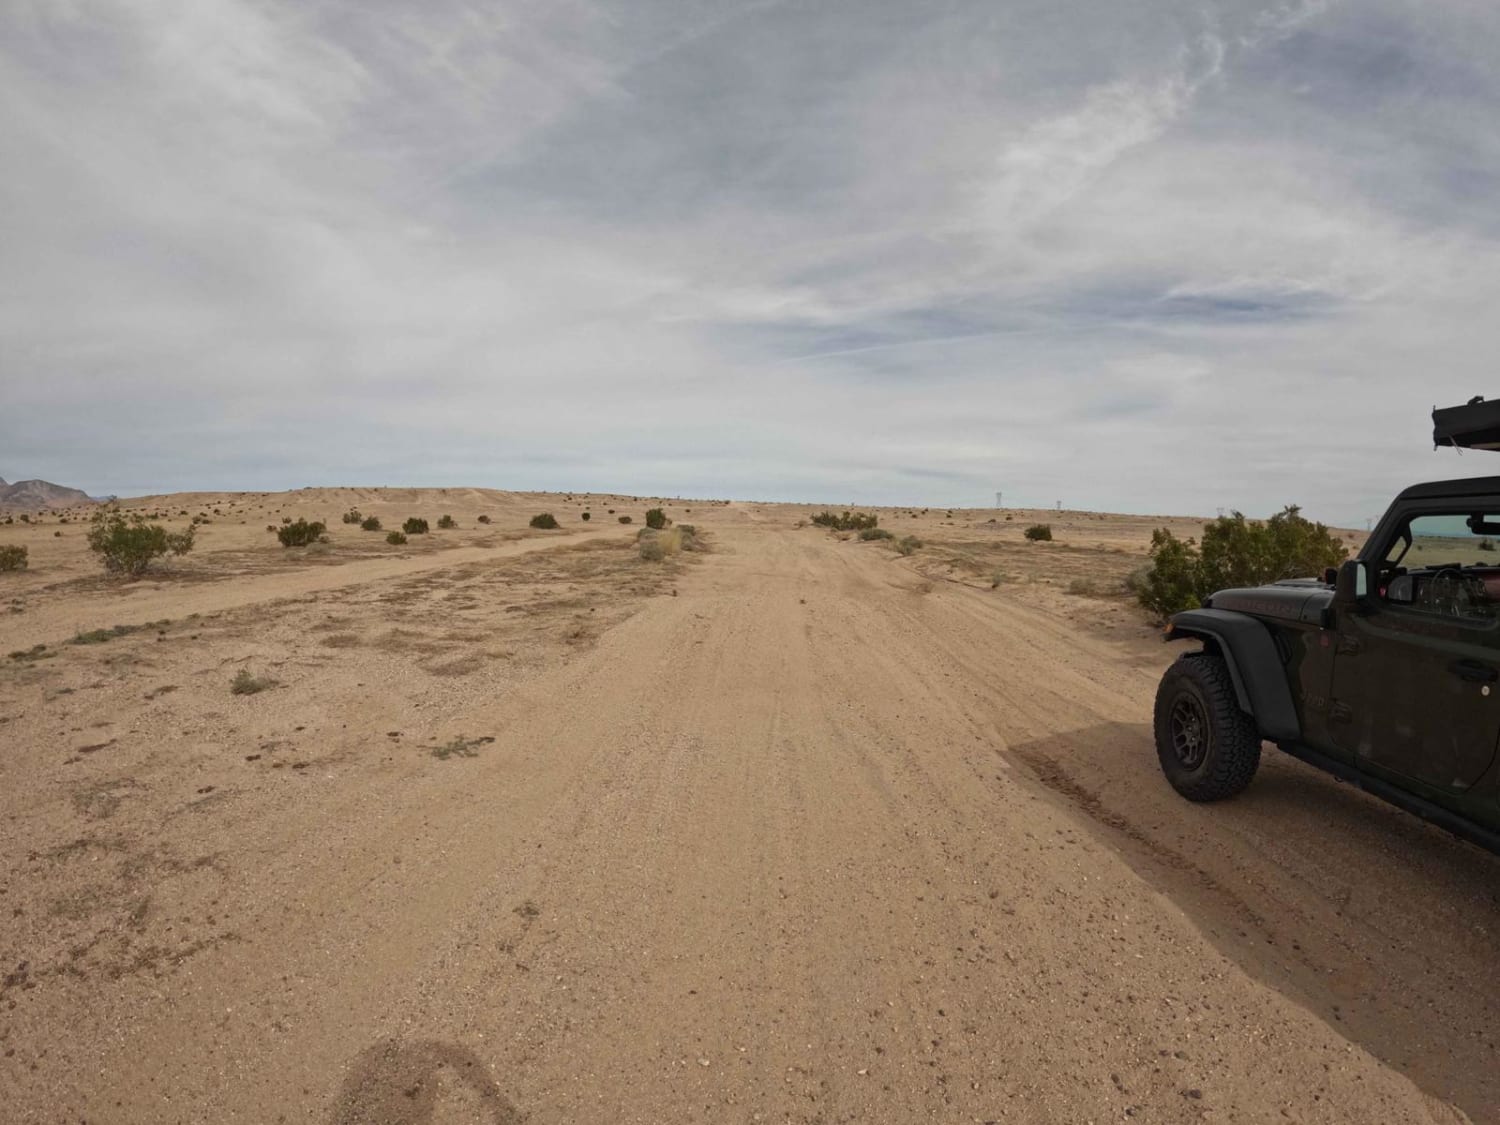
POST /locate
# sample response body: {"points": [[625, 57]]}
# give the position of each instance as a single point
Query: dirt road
{"points": [[811, 839]]}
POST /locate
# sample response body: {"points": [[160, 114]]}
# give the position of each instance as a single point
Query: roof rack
{"points": [[1474, 425]]}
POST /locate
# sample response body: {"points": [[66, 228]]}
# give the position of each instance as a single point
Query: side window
{"points": [[1446, 564]]}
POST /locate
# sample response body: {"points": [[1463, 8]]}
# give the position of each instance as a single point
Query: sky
{"points": [[1145, 255]]}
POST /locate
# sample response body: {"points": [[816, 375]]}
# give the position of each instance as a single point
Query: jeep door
{"points": [[1416, 676]]}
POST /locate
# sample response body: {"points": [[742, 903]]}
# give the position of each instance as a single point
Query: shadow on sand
{"points": [[1384, 927], [400, 1083]]}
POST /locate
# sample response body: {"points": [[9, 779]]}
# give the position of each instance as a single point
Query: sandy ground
{"points": [[527, 828]]}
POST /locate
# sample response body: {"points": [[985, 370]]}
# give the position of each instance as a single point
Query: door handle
{"points": [[1474, 671]]}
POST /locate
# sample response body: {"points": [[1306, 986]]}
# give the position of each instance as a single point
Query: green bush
{"points": [[871, 533], [128, 545], [656, 518], [396, 538], [546, 521], [13, 558], [849, 521], [908, 544], [585, 517], [353, 516], [1039, 533], [447, 523], [301, 533], [370, 523], [415, 526], [1234, 552]]}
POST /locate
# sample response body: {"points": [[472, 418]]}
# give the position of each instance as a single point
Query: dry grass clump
{"points": [[13, 558], [99, 636], [654, 545], [246, 682]]}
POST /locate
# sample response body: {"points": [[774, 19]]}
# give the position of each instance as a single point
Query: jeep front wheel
{"points": [[1209, 748]]}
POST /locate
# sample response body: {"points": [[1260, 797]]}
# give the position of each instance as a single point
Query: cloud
{"points": [[1168, 256]]}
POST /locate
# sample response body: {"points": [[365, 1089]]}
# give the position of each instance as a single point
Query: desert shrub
{"points": [[396, 538], [447, 523], [999, 578], [1082, 587], [652, 550], [370, 523], [301, 533], [284, 519], [353, 515], [27, 519], [656, 518], [415, 526], [848, 521], [99, 636], [484, 519], [1485, 545], [871, 533], [1234, 552], [908, 545], [128, 545], [13, 558], [1039, 533], [246, 682], [625, 519], [585, 517], [546, 521]]}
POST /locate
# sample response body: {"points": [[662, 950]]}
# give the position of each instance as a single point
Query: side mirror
{"points": [[1352, 586]]}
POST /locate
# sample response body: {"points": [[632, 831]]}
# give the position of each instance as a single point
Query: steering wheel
{"points": [[1449, 593]]}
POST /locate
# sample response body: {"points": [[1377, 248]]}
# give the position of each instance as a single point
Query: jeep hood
{"points": [[1299, 599]]}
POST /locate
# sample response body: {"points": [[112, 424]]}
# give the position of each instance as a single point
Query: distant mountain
{"points": [[33, 494]]}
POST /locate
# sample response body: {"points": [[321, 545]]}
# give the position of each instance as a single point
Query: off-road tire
{"points": [[1209, 748]]}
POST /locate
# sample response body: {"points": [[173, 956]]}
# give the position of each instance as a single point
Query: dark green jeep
{"points": [[1385, 673]]}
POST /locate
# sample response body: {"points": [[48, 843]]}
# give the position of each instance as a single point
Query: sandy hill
{"points": [[32, 494]]}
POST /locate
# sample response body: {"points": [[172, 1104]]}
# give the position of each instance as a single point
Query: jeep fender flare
{"points": [[1254, 666]]}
